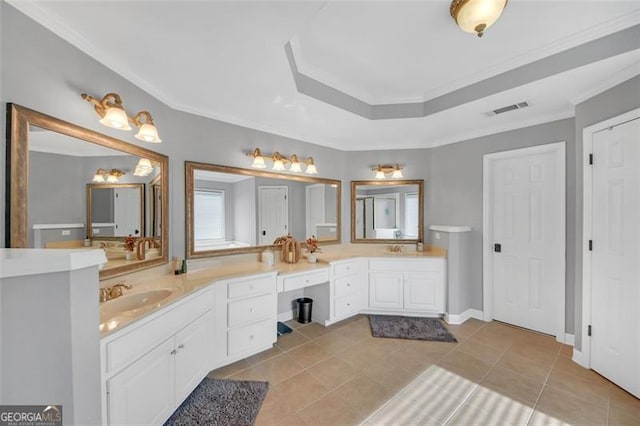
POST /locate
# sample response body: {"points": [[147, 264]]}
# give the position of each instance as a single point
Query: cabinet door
{"points": [[385, 290], [424, 291], [194, 350], [143, 393]]}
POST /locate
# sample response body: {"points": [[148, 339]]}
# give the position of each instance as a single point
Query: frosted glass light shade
{"points": [[258, 162], [380, 174], [475, 16], [97, 178], [112, 179], [295, 167], [397, 174], [311, 169], [148, 133], [115, 118], [278, 165]]}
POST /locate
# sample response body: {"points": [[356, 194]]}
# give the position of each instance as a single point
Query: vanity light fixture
{"points": [[112, 176], [112, 114], [475, 16], [143, 168], [280, 162], [383, 170]]}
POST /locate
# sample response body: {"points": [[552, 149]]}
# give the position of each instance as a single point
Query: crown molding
{"points": [[622, 76]]}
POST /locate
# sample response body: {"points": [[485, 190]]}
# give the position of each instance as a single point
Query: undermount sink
{"points": [[135, 301]]}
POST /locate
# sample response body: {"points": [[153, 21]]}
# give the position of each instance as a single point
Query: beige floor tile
{"points": [[441, 379], [512, 385], [474, 323], [391, 375], [247, 374], [480, 350], [357, 330], [623, 400], [521, 364], [332, 372], [300, 391], [461, 332], [586, 385], [363, 353], [330, 410], [559, 407], [293, 420], [465, 365], [264, 355], [539, 353], [313, 330], [499, 411], [272, 410], [363, 395], [334, 342], [621, 417], [278, 369], [309, 354], [292, 340], [294, 324], [410, 360], [401, 412], [230, 369], [493, 338], [566, 351]]}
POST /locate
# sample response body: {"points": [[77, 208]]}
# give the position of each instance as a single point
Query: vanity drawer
{"points": [[345, 286], [251, 286], [406, 265], [243, 340], [247, 311], [305, 280], [129, 346], [344, 269], [343, 306]]}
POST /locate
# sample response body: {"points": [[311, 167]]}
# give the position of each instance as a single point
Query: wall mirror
{"points": [[387, 211], [233, 210], [55, 202]]}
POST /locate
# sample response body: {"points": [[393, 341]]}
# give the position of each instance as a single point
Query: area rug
{"points": [[413, 328], [221, 402]]}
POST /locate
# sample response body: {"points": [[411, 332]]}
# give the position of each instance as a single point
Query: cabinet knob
{"points": [[173, 352], [348, 284], [348, 304], [251, 337], [180, 346], [306, 281]]}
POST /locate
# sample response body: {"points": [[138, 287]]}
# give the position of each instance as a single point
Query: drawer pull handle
{"points": [[180, 346], [251, 337], [173, 352]]}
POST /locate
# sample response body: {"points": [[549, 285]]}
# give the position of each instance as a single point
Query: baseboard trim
{"points": [[285, 316], [569, 339], [460, 318], [578, 358]]}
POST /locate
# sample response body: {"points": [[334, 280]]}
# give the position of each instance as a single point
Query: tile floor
{"points": [[494, 375]]}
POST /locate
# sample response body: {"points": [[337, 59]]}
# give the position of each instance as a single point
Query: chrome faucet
{"points": [[114, 291]]}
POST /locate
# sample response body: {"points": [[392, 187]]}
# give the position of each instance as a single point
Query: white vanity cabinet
{"points": [[152, 366], [347, 290], [252, 310], [407, 286]]}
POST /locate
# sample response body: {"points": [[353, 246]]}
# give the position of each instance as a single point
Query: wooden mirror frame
{"points": [[191, 166], [90, 186], [17, 191], [382, 183]]}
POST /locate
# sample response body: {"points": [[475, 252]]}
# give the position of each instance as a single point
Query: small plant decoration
{"points": [[312, 245], [130, 243]]}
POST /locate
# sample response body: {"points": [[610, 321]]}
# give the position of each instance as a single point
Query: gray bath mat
{"points": [[413, 328], [221, 402]]}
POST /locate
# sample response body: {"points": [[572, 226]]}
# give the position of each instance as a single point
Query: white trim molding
{"points": [[558, 148], [579, 358], [452, 229], [587, 220], [461, 318]]}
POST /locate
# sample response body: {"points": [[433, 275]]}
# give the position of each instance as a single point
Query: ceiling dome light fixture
{"points": [[475, 16]]}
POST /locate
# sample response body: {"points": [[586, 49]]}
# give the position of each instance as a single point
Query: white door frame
{"points": [[558, 148], [583, 357], [310, 228]]}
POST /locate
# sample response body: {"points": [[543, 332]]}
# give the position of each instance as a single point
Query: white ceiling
{"points": [[226, 60]]}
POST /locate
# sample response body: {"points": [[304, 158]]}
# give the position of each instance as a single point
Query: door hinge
{"points": [[591, 159], [588, 330], [590, 245]]}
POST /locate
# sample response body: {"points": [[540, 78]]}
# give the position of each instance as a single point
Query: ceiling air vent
{"points": [[508, 108]]}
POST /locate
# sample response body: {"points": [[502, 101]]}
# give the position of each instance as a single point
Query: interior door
{"points": [[528, 287], [126, 215], [273, 213], [315, 208], [359, 218], [615, 322]]}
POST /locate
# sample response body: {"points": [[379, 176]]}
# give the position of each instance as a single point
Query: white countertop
{"points": [[23, 262]]}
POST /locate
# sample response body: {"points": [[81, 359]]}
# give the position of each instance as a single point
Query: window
{"points": [[411, 215], [208, 218]]}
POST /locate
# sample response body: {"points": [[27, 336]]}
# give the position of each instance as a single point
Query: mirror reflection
{"points": [[241, 210], [389, 210], [86, 191]]}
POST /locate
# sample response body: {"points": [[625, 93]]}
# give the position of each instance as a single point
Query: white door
{"points": [[273, 213], [527, 239], [314, 208], [385, 290], [126, 215], [615, 322], [359, 218]]}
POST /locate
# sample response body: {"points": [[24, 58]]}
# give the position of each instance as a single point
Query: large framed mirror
{"points": [[387, 211], [232, 210], [54, 200]]}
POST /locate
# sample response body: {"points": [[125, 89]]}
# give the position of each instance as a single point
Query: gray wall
{"points": [[245, 211], [618, 100], [455, 197]]}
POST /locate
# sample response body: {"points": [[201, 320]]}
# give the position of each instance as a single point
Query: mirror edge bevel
{"points": [[17, 187], [419, 182], [191, 166]]}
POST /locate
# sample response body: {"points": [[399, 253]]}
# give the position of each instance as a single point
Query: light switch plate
{"points": [[66, 232]]}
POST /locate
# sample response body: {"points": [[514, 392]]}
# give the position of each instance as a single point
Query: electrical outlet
{"points": [[66, 232], [437, 235], [96, 231]]}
